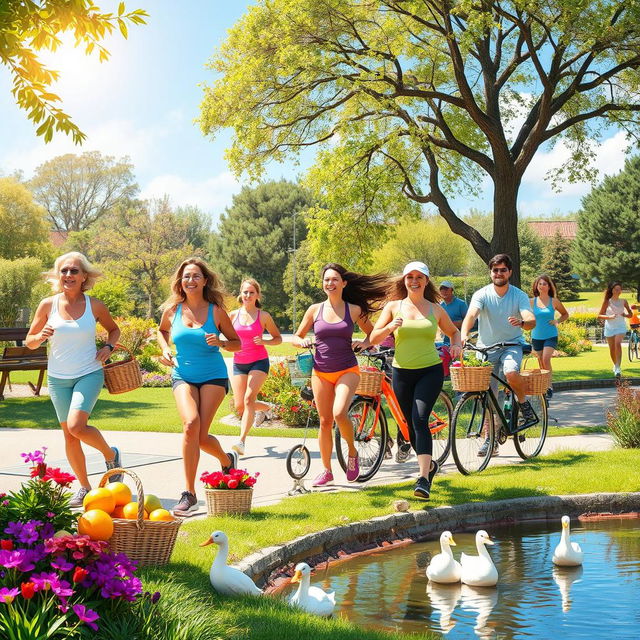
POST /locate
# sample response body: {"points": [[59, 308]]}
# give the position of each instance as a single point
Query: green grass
{"points": [[591, 365], [567, 472]]}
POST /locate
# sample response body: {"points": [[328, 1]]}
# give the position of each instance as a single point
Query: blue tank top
{"points": [[196, 361], [543, 329]]}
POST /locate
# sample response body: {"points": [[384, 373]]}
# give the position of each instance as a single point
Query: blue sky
{"points": [[143, 102]]}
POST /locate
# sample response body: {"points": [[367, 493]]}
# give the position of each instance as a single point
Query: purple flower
{"points": [[87, 616], [14, 528], [155, 597], [7, 595], [37, 457], [26, 533], [62, 564], [20, 559], [44, 581]]}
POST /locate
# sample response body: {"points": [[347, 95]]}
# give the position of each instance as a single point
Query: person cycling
{"points": [[502, 311]]}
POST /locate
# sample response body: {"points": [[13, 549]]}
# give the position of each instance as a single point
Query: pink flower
{"points": [[7, 595], [87, 616], [233, 484]]}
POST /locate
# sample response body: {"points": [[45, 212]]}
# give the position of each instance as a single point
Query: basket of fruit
{"points": [[470, 374], [143, 530]]}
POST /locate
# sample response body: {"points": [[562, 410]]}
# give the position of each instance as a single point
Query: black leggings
{"points": [[417, 391]]}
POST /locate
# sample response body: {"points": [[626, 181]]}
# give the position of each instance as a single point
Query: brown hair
{"points": [[256, 285], [213, 288], [398, 290], [501, 258], [549, 281], [609, 291], [367, 291]]}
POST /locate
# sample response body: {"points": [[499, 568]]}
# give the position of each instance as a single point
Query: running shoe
{"points": [[528, 416], [422, 489], [482, 451], [116, 463], [187, 505], [323, 478], [404, 452], [78, 497], [238, 447], [353, 468], [260, 417], [233, 456]]}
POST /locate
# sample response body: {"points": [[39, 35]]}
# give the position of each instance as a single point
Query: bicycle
{"points": [[633, 346], [473, 423], [370, 427]]}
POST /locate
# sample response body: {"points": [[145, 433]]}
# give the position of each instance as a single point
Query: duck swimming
{"points": [[567, 553], [479, 571], [444, 568]]}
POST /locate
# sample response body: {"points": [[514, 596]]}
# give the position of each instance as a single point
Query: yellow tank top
{"points": [[415, 342]]}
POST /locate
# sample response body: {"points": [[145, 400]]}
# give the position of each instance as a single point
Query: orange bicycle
{"points": [[371, 430]]}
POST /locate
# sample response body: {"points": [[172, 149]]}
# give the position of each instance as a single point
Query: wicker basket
{"points": [[370, 381], [145, 541], [300, 368], [124, 375], [221, 501], [470, 378], [537, 381]]}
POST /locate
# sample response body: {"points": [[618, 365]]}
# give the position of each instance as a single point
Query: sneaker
{"points": [[116, 463], [187, 505], [323, 478], [238, 447], [270, 413], [260, 417], [388, 454], [353, 468], [617, 372], [403, 452], [482, 451], [435, 467], [78, 497], [233, 456], [549, 393], [422, 489], [528, 416]]}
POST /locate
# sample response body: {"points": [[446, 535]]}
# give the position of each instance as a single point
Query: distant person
{"points": [[251, 363], [195, 320], [544, 336], [613, 311], [75, 371], [455, 307]]}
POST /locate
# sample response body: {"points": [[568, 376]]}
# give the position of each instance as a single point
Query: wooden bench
{"points": [[21, 358]]}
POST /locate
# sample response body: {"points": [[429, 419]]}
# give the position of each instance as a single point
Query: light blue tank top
{"points": [[196, 361], [543, 329]]}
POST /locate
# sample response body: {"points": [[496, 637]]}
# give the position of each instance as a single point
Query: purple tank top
{"points": [[333, 343]]}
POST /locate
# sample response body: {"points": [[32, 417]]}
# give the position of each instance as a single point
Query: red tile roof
{"points": [[58, 238], [547, 229]]}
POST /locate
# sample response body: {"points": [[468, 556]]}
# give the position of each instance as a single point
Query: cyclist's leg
{"points": [[495, 357], [511, 359], [324, 395], [403, 385], [344, 391]]}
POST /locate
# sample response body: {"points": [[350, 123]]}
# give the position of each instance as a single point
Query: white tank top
{"points": [[72, 347]]}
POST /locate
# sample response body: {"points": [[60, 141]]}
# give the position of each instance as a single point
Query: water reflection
{"points": [[444, 598], [564, 577], [480, 601]]}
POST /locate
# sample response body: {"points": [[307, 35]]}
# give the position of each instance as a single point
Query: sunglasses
{"points": [[195, 278], [68, 270], [500, 270]]}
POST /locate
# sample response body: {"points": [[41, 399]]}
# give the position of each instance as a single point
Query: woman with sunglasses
{"points": [[74, 373], [195, 320]]}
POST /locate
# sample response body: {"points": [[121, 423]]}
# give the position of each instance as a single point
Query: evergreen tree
{"points": [[557, 265], [608, 243]]}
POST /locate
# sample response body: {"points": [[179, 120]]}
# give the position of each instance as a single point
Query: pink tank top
{"points": [[250, 352]]}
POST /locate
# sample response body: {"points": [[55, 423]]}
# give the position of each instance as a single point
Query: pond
{"points": [[533, 599]]}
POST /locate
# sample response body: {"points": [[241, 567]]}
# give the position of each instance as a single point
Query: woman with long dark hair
{"points": [[613, 311], [544, 336], [414, 315], [351, 298], [195, 320]]}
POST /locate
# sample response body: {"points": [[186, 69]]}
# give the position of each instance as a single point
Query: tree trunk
{"points": [[505, 221]]}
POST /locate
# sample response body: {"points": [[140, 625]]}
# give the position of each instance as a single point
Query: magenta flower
{"points": [[7, 595], [88, 616], [44, 581], [37, 457], [62, 564]]}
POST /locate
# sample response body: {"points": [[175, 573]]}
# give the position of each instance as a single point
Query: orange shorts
{"points": [[334, 376]]}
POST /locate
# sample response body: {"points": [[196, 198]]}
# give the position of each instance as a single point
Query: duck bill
{"points": [[296, 577], [206, 543], [488, 541], [452, 542]]}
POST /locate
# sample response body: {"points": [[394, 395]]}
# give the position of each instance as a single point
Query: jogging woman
{"points": [[251, 363], [614, 310], [74, 372], [195, 320], [544, 336], [351, 298], [414, 315]]}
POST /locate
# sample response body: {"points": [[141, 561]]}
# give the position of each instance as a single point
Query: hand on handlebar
{"points": [[306, 343]]}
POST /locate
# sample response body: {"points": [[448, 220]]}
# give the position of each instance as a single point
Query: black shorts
{"points": [[218, 382], [257, 365]]}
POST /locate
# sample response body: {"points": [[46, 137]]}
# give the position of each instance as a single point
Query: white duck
{"points": [[567, 553], [479, 571], [444, 568], [311, 599], [227, 580]]}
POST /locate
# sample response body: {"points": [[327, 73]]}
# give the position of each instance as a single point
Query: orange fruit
{"points": [[120, 492], [118, 512], [130, 511], [99, 499], [96, 524], [159, 515]]}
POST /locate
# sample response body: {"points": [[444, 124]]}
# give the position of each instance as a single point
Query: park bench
{"points": [[21, 358]]}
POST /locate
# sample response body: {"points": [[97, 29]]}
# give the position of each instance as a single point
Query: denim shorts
{"points": [[539, 345], [68, 394], [505, 360], [244, 369], [218, 382]]}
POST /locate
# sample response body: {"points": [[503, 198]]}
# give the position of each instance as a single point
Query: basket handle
{"points": [[139, 490], [121, 347]]}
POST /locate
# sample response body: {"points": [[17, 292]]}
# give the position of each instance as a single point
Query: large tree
{"points": [[30, 26], [424, 99], [255, 235], [557, 264], [76, 190], [607, 246]]}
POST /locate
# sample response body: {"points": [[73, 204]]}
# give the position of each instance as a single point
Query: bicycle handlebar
{"points": [[488, 348]]}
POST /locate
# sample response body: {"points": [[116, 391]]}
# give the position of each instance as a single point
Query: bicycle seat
{"points": [[526, 349], [306, 393]]}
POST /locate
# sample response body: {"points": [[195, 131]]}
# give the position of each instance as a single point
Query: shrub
{"points": [[572, 339], [115, 293], [135, 333], [153, 379], [147, 358], [17, 278], [624, 420], [585, 319]]}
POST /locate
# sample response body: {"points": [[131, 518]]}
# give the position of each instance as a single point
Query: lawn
{"points": [[563, 473]]}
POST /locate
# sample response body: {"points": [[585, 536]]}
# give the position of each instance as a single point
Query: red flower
{"points": [[295, 409], [39, 470], [6, 545], [28, 590], [59, 477], [79, 574], [233, 484]]}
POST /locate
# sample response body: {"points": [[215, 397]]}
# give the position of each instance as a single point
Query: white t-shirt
{"points": [[493, 323]]}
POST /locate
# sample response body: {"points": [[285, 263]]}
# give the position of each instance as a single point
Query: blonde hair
{"points": [[53, 276], [256, 285], [213, 289]]}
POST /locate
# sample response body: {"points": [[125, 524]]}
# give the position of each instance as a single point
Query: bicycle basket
{"points": [[300, 368], [537, 381], [370, 381], [464, 378]]}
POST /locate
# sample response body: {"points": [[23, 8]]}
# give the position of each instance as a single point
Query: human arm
{"points": [[299, 339], [223, 322], [560, 308], [273, 330], [602, 315], [468, 322], [40, 331], [527, 319], [448, 327], [365, 324], [163, 336], [386, 324], [103, 316], [628, 313]]}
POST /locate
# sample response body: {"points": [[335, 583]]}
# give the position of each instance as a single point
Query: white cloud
{"points": [[212, 195]]}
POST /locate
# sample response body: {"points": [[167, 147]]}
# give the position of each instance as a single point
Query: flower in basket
{"points": [[235, 479]]}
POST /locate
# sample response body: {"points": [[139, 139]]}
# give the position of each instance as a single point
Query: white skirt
{"points": [[615, 327]]}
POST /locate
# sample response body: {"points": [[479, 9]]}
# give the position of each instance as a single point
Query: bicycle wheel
{"points": [[370, 436], [529, 442], [298, 462], [472, 426], [630, 347], [439, 424], [636, 345]]}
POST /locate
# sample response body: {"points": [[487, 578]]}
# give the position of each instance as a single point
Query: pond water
{"points": [[533, 599]]}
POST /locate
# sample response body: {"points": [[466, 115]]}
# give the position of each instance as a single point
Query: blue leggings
{"points": [[79, 393]]}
